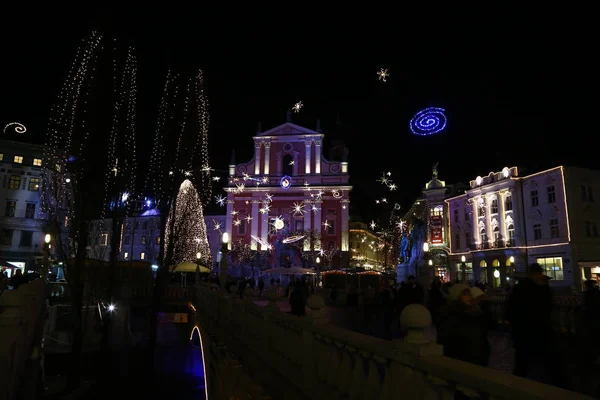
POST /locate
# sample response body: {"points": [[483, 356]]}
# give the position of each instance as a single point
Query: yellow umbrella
{"points": [[189, 266]]}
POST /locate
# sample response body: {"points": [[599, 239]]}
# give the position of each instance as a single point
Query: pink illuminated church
{"points": [[287, 189]]}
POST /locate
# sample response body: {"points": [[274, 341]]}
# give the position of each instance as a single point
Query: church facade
{"points": [[288, 200]]}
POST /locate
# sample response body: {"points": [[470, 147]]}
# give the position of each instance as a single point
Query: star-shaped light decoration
{"points": [[248, 219], [236, 222], [383, 74], [217, 225], [233, 212], [298, 209], [216, 178], [220, 200], [296, 108], [326, 224], [373, 225]]}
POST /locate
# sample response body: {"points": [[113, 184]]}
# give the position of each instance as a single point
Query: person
{"points": [[413, 292], [461, 330], [591, 305], [529, 312], [486, 319], [17, 279], [261, 286], [386, 299], [434, 301]]}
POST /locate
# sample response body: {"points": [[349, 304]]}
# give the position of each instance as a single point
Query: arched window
{"points": [[482, 264], [288, 165], [496, 234], [510, 231], [496, 263], [483, 235]]}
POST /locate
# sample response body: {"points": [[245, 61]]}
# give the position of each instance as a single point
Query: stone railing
{"points": [[566, 314], [307, 358], [22, 320], [60, 291]]}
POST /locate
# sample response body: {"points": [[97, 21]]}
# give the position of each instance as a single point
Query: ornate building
{"points": [[367, 249], [289, 189], [504, 222]]}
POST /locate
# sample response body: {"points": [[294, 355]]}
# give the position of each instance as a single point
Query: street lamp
{"points": [[45, 265], [463, 260], [223, 266], [425, 256], [512, 267], [198, 257]]}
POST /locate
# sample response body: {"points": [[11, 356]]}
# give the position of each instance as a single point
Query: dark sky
{"points": [[514, 92]]}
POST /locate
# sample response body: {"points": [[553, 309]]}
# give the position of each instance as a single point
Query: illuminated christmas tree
{"points": [[186, 228]]}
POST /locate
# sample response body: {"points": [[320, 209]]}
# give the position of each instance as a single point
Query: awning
{"points": [[188, 266], [289, 271]]}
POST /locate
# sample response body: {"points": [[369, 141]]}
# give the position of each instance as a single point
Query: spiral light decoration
{"points": [[19, 127], [429, 121]]}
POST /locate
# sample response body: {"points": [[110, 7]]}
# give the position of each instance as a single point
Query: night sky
{"points": [[514, 93]]}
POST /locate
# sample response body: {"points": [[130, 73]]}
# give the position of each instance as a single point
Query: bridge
{"points": [[254, 350]]}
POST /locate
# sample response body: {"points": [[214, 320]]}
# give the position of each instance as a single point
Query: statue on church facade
{"points": [[435, 171]]}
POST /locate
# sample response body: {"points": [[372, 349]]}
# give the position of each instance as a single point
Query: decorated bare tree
{"points": [[241, 255], [329, 252]]}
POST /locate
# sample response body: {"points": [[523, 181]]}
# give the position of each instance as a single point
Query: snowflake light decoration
{"points": [[383, 74], [297, 107], [298, 209], [220, 200]]}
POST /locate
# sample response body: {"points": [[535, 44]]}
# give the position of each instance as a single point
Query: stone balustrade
{"points": [[60, 291], [307, 358], [22, 321]]}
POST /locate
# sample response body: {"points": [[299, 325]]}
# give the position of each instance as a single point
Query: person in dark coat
{"points": [[412, 293], [434, 301], [460, 328], [529, 311]]}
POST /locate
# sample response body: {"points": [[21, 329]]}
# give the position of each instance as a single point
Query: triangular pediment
{"points": [[288, 129]]}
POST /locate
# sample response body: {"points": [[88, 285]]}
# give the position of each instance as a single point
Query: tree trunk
{"points": [[111, 288], [77, 283]]}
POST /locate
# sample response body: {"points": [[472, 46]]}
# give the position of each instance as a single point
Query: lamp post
{"points": [[223, 266], [463, 266], [425, 254], [45, 266], [512, 268], [197, 280]]}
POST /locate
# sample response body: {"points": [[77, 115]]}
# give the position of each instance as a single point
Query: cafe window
{"points": [[553, 267]]}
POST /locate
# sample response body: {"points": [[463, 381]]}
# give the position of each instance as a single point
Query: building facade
{"points": [[367, 249], [505, 222], [21, 223], [289, 189], [140, 238]]}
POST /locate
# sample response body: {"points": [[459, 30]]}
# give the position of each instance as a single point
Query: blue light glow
{"points": [[429, 121], [285, 182]]}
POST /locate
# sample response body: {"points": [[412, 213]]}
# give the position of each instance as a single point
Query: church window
{"points": [[287, 167]]}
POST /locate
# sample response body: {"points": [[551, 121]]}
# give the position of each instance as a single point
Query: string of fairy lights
{"points": [[62, 123], [121, 163]]}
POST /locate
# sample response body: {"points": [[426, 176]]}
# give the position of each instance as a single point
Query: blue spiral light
{"points": [[429, 121]]}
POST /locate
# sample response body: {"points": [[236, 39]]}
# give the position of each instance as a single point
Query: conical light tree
{"points": [[186, 228]]}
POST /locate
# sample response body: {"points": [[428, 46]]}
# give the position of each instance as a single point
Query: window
{"points": [[468, 239], [298, 225], [18, 159], [287, 165], [37, 162], [534, 198], [457, 240], [104, 239], [591, 229], [554, 228], [331, 227], [483, 277], [483, 236], [136, 225], [9, 211], [456, 215], [510, 231], [551, 194], [26, 238], [125, 255], [143, 239], [496, 234], [537, 231], [126, 239], [438, 210], [142, 256], [1, 157], [34, 184], [242, 227], [587, 193], [6, 237], [553, 267], [30, 210], [466, 214], [15, 182], [508, 203], [481, 210], [495, 206]]}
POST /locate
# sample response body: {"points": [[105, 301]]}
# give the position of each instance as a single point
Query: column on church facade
{"points": [[345, 229], [229, 220], [317, 157], [257, 151], [308, 215], [307, 160], [264, 229], [254, 223], [267, 158], [501, 216], [318, 223]]}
